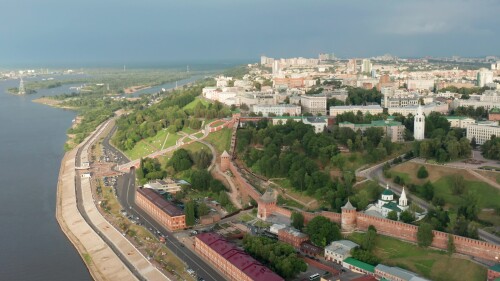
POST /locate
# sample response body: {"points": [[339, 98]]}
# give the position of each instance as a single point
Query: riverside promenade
{"points": [[106, 252]]}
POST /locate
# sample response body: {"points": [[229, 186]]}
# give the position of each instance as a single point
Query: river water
{"points": [[32, 245]]}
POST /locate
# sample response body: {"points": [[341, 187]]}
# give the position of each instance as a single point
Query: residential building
{"points": [[358, 266], [313, 104], [396, 274], [167, 185], [288, 82], [460, 121], [394, 130], [489, 99], [162, 211], [419, 124], [234, 263], [340, 109], [278, 110], [366, 66], [482, 131], [292, 236], [484, 76], [427, 109], [319, 123], [339, 250], [420, 84], [276, 227]]}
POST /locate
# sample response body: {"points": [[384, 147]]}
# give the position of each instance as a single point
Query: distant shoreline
{"points": [[52, 103]]}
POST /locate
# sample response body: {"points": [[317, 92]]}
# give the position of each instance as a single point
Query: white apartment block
{"points": [[392, 129], [372, 109], [460, 121], [278, 110], [313, 104], [488, 100], [427, 109], [319, 123], [420, 84], [482, 131]]}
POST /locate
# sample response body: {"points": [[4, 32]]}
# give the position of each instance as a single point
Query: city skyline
{"points": [[168, 31]]}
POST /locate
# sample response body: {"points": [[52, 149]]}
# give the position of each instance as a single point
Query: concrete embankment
{"points": [[107, 254]]}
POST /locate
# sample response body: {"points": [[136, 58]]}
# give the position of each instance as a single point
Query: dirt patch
{"points": [[493, 176]]}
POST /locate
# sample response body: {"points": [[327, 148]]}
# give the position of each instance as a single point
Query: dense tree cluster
{"points": [[180, 160], [364, 253], [360, 96], [297, 220], [464, 92], [444, 148], [491, 148], [477, 113], [280, 257], [150, 169], [359, 117], [322, 231], [425, 235]]}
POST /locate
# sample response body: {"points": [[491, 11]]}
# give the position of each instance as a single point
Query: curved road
{"points": [[126, 194]]}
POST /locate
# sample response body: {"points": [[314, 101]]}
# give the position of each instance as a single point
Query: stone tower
{"points": [[419, 124], [349, 213], [225, 158], [267, 204]]}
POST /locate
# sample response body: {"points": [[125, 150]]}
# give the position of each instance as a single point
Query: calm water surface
{"points": [[32, 245]]}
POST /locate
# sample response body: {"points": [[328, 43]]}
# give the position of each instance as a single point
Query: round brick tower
{"points": [[349, 214], [225, 158]]}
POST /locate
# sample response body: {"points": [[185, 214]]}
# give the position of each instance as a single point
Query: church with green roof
{"points": [[387, 203]]}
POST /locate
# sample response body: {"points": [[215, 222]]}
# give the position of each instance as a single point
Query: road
{"points": [[375, 173], [126, 192]]}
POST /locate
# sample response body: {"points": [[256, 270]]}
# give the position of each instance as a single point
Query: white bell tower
{"points": [[403, 201], [419, 124]]}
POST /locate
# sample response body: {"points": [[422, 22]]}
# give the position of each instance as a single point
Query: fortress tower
{"points": [[225, 159], [349, 214], [267, 204]]}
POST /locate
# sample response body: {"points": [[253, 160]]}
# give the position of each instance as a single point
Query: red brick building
{"points": [[234, 263], [494, 114], [292, 236], [160, 209]]}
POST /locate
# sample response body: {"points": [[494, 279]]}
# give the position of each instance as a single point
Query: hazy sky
{"points": [[64, 31]]}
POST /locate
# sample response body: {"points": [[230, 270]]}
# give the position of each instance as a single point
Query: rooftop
{"points": [[248, 265], [164, 205], [360, 264], [496, 267], [392, 206], [387, 191], [371, 106], [396, 271]]}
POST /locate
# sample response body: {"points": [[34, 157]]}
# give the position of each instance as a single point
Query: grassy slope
{"points": [[221, 140], [149, 145], [433, 264], [192, 104]]}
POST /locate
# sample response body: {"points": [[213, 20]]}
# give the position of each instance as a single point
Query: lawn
{"points": [[199, 135], [196, 146], [189, 131], [221, 140], [430, 263], [192, 104], [488, 196], [149, 145]]}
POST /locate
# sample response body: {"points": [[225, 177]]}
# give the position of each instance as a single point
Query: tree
{"points": [[450, 244], [473, 143], [190, 213], [407, 216], [322, 231], [392, 215], [180, 160], [422, 172], [202, 210], [457, 184], [297, 220], [369, 239], [425, 235]]}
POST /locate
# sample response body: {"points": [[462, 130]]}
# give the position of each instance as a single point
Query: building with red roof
{"points": [[162, 211], [233, 262]]}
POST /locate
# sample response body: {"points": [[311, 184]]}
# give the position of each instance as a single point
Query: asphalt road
{"points": [[126, 192]]}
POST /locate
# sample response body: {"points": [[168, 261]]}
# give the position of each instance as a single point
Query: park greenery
{"points": [[279, 256], [364, 252], [150, 169], [167, 114], [425, 235], [297, 220], [322, 231], [491, 148]]}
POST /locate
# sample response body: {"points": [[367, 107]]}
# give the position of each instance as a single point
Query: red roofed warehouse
{"points": [[233, 262], [160, 209]]}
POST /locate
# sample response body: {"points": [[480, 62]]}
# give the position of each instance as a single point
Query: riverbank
{"points": [[52, 102], [101, 261]]}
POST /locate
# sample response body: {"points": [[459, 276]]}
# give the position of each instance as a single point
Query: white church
{"points": [[419, 124], [387, 203]]}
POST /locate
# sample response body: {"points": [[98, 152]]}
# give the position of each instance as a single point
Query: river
{"points": [[32, 245], [169, 85]]}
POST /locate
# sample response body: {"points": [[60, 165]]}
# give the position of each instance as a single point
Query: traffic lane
{"points": [[126, 197]]}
